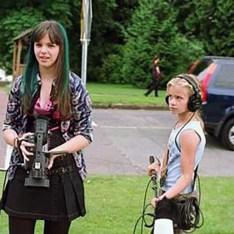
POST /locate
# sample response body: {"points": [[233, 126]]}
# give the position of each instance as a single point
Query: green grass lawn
{"points": [[115, 94], [108, 95], [115, 202]]}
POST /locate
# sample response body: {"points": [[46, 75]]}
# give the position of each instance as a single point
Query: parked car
{"points": [[217, 82]]}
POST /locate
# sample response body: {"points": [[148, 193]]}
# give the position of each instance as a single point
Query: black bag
{"points": [[183, 210], [189, 213]]}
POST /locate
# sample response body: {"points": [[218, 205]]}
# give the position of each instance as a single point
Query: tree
{"points": [[11, 26], [21, 15], [126, 34], [152, 30], [212, 23]]}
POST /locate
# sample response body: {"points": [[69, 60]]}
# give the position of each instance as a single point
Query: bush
{"points": [[11, 26], [159, 36]]}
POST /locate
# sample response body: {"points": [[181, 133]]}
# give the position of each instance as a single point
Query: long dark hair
{"points": [[29, 85]]}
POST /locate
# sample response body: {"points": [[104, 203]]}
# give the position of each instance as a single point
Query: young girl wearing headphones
{"points": [[184, 149]]}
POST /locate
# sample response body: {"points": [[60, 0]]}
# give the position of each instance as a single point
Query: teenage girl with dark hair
{"points": [[47, 88]]}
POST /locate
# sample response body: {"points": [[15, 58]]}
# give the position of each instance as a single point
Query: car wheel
{"points": [[228, 134]]}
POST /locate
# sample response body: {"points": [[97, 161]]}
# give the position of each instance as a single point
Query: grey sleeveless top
{"points": [[174, 157]]}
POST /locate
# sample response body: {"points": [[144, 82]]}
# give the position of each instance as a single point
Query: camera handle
{"points": [[37, 175]]}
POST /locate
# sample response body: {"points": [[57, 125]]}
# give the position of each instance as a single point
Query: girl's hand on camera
{"points": [[52, 157], [25, 147]]}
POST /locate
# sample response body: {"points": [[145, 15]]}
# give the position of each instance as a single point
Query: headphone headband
{"points": [[190, 81]]}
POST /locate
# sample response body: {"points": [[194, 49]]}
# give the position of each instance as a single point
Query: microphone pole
{"points": [[154, 176]]}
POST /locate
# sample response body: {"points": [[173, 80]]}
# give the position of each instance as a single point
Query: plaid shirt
{"points": [[79, 124]]}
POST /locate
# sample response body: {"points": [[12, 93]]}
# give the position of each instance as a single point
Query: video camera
{"points": [[37, 165]]}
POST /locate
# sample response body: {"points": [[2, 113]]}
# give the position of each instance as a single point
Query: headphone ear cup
{"points": [[191, 104], [198, 101], [194, 102], [167, 100]]}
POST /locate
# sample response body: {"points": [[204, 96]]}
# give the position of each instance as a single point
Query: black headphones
{"points": [[195, 100]]}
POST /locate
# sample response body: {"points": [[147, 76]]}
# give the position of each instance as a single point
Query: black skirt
{"points": [[63, 200]]}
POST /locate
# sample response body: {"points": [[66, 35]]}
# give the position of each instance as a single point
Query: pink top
{"points": [[47, 109]]}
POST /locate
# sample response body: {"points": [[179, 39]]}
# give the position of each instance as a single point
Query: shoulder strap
{"points": [[194, 177]]}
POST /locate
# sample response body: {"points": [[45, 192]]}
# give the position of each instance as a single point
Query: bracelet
{"points": [[16, 143]]}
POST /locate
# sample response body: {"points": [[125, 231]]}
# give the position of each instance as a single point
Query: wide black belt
{"points": [[63, 164], [60, 170]]}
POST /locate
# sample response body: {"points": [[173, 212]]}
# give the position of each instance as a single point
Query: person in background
{"points": [[156, 76], [184, 149], [49, 89]]}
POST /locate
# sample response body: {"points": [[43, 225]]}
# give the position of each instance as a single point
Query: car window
{"points": [[202, 74], [225, 77], [207, 72], [199, 66]]}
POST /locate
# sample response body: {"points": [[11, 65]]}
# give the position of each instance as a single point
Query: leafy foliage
{"points": [[152, 30], [126, 34], [212, 23], [11, 26]]}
